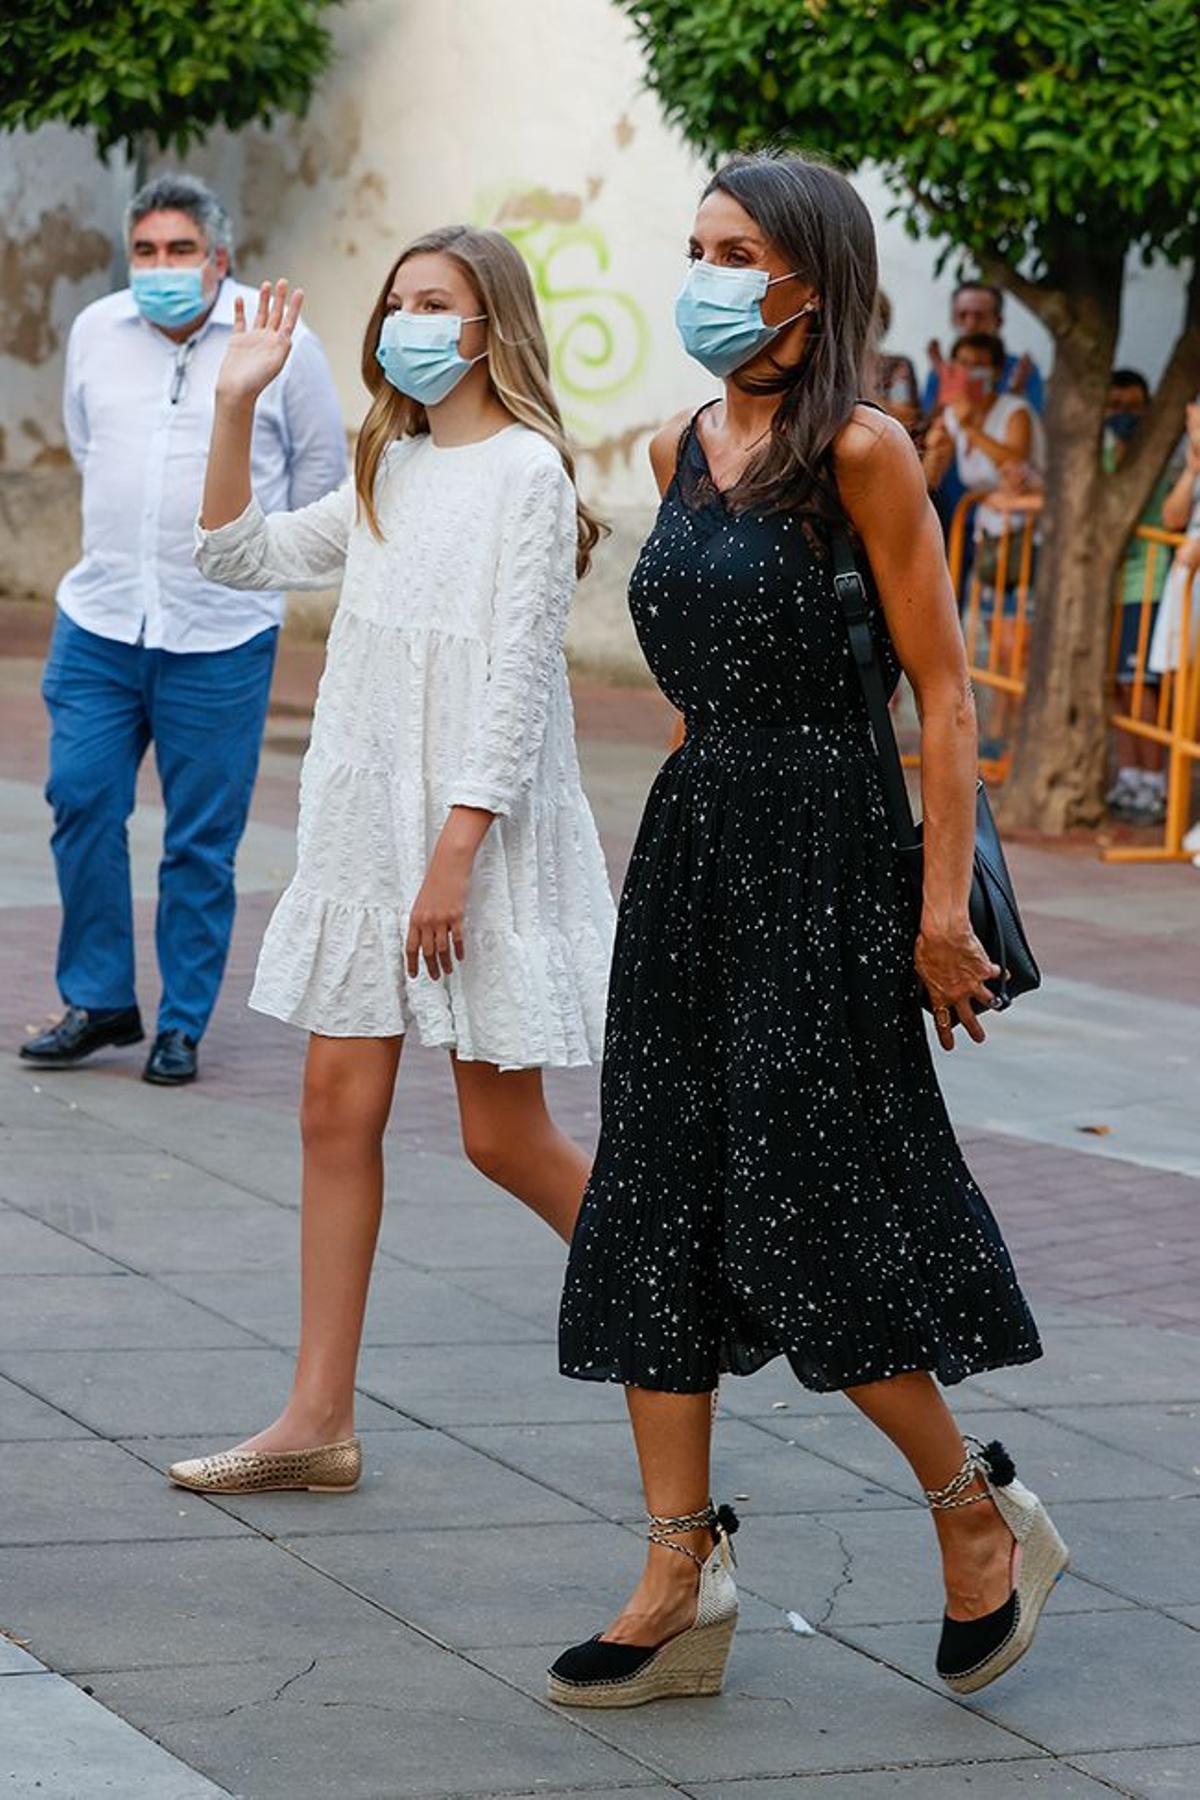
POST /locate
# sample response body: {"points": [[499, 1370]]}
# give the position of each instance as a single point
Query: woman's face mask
{"points": [[419, 354], [719, 315], [981, 383], [168, 297]]}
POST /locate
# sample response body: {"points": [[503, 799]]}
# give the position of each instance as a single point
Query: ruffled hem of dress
{"points": [[948, 1370], [512, 1002]]}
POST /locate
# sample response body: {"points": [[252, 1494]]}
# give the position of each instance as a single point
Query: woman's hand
{"points": [[256, 354], [954, 966]]}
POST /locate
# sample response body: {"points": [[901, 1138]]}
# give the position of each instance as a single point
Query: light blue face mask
{"points": [[169, 297], [719, 315], [418, 352]]}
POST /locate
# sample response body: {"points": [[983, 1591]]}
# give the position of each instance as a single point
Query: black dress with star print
{"points": [[776, 1173]]}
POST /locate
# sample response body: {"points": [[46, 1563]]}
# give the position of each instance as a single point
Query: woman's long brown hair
{"points": [[518, 363]]}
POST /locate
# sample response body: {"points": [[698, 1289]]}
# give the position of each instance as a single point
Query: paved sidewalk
{"points": [[392, 1642]]}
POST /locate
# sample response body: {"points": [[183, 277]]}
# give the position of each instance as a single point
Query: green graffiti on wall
{"points": [[599, 336]]}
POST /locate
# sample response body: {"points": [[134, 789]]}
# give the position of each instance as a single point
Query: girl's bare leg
{"points": [[511, 1138], [348, 1088], [673, 1433], [975, 1542]]}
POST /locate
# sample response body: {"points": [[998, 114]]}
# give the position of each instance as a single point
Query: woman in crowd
{"points": [[776, 1172], [450, 879], [984, 432]]}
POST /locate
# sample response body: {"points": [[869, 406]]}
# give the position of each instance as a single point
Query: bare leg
{"points": [[673, 1434], [348, 1088], [511, 1138], [975, 1542]]}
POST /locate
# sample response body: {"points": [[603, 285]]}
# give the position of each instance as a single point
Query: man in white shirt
{"points": [[145, 650]]}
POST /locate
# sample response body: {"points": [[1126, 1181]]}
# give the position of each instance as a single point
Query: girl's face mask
{"points": [[418, 352], [719, 315]]}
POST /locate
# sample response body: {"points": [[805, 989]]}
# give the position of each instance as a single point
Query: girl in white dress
{"points": [[449, 876]]}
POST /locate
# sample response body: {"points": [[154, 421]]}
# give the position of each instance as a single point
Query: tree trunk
{"points": [[1058, 772]]}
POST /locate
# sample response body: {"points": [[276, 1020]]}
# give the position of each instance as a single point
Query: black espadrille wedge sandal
{"points": [[601, 1674], [973, 1652]]}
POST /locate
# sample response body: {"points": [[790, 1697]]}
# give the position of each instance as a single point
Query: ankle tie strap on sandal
{"points": [[721, 1520], [990, 1463]]}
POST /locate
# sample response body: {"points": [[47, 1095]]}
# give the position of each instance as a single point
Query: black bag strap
{"points": [[856, 608]]}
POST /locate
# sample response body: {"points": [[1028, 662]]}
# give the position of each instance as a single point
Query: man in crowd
{"points": [[147, 651]]}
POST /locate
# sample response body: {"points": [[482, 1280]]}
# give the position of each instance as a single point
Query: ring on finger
{"points": [[941, 1017]]}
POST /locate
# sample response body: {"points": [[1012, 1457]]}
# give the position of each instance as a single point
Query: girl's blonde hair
{"points": [[518, 363]]}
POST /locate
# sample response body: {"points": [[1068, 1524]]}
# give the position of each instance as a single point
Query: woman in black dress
{"points": [[776, 1172]]}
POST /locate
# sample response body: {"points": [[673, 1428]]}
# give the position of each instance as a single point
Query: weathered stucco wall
{"points": [[526, 116]]}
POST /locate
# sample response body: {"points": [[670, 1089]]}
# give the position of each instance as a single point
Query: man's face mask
{"points": [[169, 297]]}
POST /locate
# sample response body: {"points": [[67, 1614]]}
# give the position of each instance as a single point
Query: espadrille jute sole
{"points": [[1044, 1561], [690, 1665]]}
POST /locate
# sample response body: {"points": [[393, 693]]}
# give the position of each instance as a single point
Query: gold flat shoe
{"points": [[329, 1469]]}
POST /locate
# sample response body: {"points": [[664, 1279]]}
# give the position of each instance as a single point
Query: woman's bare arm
{"points": [[882, 487]]}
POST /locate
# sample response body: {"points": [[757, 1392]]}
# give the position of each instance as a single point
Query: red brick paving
{"points": [[1092, 1231]]}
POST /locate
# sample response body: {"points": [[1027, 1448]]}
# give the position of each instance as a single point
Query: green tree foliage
{"points": [[157, 70], [1047, 139]]}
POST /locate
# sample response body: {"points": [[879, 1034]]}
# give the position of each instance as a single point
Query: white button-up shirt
{"points": [[138, 410]]}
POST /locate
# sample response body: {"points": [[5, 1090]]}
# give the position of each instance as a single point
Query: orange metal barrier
{"points": [[996, 611], [1172, 717]]}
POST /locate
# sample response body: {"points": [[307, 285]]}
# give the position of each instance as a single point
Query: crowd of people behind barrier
{"points": [[977, 420]]}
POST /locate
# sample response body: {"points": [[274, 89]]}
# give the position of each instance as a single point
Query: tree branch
{"points": [[1049, 304]]}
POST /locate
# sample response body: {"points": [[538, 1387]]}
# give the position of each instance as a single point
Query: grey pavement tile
{"points": [[475, 1384], [127, 1393], [411, 1479], [33, 1106], [791, 1706], [392, 1723], [452, 1234], [77, 1493], [16, 1661], [1149, 1773], [1165, 1433], [597, 1463], [516, 1584], [250, 1147], [531, 1293], [406, 1306], [1143, 1548], [57, 1743], [1060, 1463], [1039, 1776], [28, 1247], [24, 1416], [169, 1604], [1095, 1365], [1092, 1681], [865, 1567], [115, 1311], [152, 1212]]}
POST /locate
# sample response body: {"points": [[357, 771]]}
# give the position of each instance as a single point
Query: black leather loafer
{"points": [[172, 1062], [78, 1033]]}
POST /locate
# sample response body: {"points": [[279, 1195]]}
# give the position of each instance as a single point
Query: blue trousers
{"points": [[204, 713]]}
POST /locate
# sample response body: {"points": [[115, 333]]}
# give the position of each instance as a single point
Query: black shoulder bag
{"points": [[995, 918]]}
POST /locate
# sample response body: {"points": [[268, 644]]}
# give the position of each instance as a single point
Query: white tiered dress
{"points": [[445, 684]]}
